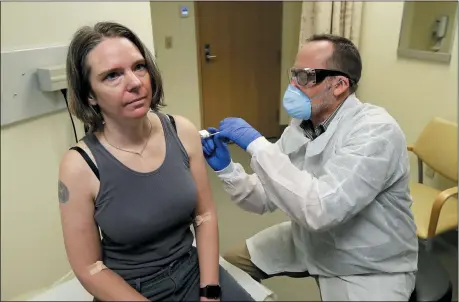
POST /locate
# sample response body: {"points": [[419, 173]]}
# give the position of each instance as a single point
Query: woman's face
{"points": [[119, 79]]}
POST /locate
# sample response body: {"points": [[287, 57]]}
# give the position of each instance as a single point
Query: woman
{"points": [[140, 177]]}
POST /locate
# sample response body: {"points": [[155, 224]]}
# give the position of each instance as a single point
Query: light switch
{"points": [[184, 11], [168, 42]]}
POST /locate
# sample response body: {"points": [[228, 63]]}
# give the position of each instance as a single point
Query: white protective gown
{"points": [[346, 194]]}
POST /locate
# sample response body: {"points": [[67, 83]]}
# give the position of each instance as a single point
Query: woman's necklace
{"points": [[134, 152]]}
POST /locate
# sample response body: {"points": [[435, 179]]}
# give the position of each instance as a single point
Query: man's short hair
{"points": [[345, 57]]}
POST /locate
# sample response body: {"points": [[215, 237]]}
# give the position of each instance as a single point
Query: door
{"points": [[239, 49]]}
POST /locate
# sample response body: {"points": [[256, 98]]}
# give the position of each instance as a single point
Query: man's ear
{"points": [[341, 86]]}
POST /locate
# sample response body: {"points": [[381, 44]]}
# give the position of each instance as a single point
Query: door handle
{"points": [[207, 54]]}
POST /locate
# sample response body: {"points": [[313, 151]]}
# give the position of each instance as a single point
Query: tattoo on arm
{"points": [[63, 192]]}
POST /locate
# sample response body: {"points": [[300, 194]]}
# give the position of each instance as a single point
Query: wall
{"points": [[425, 14], [178, 64], [290, 37], [412, 91], [32, 249]]}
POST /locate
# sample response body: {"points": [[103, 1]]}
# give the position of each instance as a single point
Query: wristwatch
{"points": [[211, 291]]}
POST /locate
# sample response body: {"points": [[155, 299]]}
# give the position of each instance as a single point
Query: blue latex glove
{"points": [[216, 151], [238, 131]]}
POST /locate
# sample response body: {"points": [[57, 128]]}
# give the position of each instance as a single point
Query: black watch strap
{"points": [[210, 291]]}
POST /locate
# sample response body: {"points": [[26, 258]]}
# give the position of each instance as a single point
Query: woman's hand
{"points": [[207, 299]]}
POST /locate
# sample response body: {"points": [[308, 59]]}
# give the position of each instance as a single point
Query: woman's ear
{"points": [[92, 100]]}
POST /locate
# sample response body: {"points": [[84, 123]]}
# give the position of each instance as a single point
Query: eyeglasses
{"points": [[311, 76]]}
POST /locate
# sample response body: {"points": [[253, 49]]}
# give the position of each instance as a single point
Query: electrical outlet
{"points": [[168, 42], [429, 172]]}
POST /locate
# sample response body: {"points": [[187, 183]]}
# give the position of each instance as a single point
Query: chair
{"points": [[435, 211]]}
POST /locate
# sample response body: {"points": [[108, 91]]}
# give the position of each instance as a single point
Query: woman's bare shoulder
{"points": [[188, 134], [73, 167]]}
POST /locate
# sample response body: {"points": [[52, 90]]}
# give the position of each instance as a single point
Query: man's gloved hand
{"points": [[216, 151], [238, 131]]}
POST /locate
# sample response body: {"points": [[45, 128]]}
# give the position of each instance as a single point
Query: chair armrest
{"points": [[436, 208]]}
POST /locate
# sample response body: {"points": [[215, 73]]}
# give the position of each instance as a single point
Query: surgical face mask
{"points": [[296, 103]]}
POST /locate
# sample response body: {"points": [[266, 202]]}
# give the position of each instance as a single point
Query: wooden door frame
{"points": [[198, 57]]}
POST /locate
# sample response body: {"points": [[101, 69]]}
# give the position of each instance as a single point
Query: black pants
{"points": [[180, 282]]}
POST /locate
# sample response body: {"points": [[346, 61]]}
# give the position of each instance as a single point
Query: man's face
{"points": [[315, 55]]}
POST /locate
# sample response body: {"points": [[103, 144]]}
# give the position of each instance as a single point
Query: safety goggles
{"points": [[311, 76]]}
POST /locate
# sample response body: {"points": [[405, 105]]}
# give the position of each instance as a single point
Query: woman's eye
{"points": [[112, 75], [141, 67]]}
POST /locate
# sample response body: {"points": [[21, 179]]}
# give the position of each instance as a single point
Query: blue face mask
{"points": [[297, 104]]}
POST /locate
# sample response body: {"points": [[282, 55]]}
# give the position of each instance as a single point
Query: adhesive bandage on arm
{"points": [[96, 268], [202, 218]]}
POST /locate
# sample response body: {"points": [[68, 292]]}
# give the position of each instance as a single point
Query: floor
{"points": [[445, 248], [236, 225]]}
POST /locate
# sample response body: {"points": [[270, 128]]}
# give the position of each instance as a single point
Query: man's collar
{"points": [[330, 118], [312, 132]]}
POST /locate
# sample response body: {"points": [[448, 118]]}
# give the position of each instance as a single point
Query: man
{"points": [[340, 171]]}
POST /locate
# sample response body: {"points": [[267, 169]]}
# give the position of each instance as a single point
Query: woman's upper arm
{"points": [[81, 234], [191, 140]]}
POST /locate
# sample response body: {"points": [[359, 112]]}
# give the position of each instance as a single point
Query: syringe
{"points": [[206, 134]]}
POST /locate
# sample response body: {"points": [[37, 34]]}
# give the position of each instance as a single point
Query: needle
{"points": [[205, 134]]}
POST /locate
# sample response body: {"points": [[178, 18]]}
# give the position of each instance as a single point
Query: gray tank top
{"points": [[144, 218]]}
